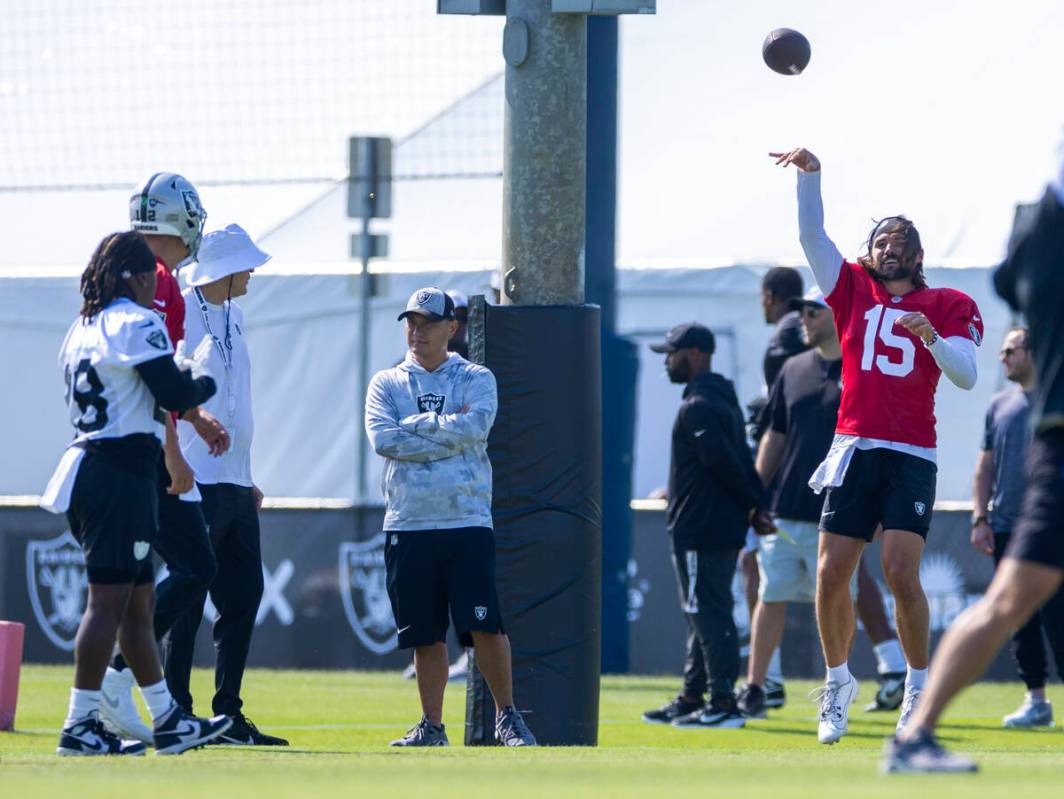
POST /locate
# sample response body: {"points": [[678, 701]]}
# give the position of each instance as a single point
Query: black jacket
{"points": [[712, 482]]}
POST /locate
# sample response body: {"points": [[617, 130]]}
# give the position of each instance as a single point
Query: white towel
{"points": [[56, 496]]}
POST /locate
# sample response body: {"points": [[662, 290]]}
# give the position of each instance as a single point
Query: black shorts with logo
{"points": [[431, 571], [114, 512], [1038, 534], [881, 486]]}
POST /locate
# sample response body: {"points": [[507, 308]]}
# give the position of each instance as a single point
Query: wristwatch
{"points": [[934, 338], [980, 518]]}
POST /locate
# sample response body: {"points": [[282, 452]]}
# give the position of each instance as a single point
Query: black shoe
{"points": [[245, 733], [775, 695], [751, 702], [89, 737], [424, 733], [890, 694], [922, 755], [178, 731], [511, 730], [678, 708], [714, 716]]}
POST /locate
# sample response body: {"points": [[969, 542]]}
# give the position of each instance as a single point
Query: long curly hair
{"points": [[892, 224], [117, 257]]}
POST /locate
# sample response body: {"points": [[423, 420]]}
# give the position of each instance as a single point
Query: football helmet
{"points": [[169, 205]]}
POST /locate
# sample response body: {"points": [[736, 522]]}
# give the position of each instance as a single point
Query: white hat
{"points": [[812, 297], [224, 253]]}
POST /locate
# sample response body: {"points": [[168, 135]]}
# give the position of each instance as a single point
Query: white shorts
{"points": [[788, 570]]}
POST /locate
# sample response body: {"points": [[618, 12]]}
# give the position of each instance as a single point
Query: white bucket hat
{"points": [[223, 253]]}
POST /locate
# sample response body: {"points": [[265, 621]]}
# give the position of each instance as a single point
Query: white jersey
{"points": [[230, 366]]}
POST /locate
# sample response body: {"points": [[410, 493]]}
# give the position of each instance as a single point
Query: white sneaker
{"points": [[908, 705], [835, 700], [1032, 713], [118, 711]]}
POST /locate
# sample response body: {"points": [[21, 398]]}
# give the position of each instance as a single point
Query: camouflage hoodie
{"points": [[436, 469]]}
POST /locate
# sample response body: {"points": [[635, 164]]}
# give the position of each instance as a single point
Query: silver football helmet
{"points": [[169, 205]]}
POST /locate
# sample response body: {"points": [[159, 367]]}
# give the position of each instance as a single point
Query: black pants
{"points": [[712, 658], [1028, 646], [233, 523]]}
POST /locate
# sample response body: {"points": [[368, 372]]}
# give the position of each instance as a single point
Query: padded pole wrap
{"points": [[546, 456]]}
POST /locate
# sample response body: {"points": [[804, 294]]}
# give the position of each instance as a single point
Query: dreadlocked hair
{"points": [[896, 224], [118, 256]]}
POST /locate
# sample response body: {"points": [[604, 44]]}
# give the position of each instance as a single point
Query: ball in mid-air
{"points": [[786, 51]]}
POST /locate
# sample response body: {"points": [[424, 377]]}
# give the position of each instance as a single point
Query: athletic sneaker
{"points": [[751, 702], [922, 755], [1032, 713], [245, 733], [177, 731], [677, 708], [714, 716], [775, 695], [424, 733], [835, 699], [890, 693], [89, 737], [511, 730], [118, 711], [908, 706]]}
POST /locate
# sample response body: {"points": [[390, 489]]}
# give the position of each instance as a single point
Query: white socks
{"points": [[82, 703], [775, 670], [915, 678], [889, 657], [157, 698], [840, 675]]}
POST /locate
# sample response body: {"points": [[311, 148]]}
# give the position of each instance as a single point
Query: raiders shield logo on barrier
{"points": [[58, 586], [364, 590]]}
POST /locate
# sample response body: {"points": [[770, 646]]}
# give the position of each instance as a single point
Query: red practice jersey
{"points": [[169, 303], [888, 376]]}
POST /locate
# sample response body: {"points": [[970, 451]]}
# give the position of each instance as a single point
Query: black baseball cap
{"points": [[687, 335], [432, 303]]}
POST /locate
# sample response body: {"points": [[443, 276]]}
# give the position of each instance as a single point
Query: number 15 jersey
{"points": [[888, 376], [106, 396]]}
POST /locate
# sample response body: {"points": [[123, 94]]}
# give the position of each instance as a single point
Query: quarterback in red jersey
{"points": [[897, 336]]}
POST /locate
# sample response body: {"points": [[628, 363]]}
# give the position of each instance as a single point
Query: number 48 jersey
{"points": [[888, 376], [106, 396]]}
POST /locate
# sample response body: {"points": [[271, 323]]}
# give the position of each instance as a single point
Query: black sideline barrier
{"points": [[546, 453]]}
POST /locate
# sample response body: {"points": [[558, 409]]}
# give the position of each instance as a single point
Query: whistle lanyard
{"points": [[225, 349]]}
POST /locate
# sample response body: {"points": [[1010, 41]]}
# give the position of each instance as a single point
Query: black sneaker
{"points": [[922, 755], [511, 730], [890, 693], [178, 731], [775, 695], [677, 708], [89, 737], [714, 716], [245, 733], [424, 733], [751, 702]]}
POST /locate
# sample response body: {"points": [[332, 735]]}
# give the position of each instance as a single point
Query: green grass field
{"points": [[340, 722]]}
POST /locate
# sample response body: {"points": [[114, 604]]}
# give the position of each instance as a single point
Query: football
{"points": [[786, 51]]}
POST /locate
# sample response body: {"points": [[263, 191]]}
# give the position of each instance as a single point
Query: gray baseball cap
{"points": [[432, 303]]}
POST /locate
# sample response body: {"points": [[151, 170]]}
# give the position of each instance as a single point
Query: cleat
{"points": [[890, 693], [678, 708], [88, 737], [751, 702], [713, 716], [118, 711], [908, 705], [424, 733], [922, 755], [775, 695], [1032, 713], [177, 731], [511, 730], [835, 700], [245, 733]]}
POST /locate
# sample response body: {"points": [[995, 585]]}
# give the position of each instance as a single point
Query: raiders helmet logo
{"points": [[364, 593], [480, 612], [919, 507], [974, 331], [423, 297]]}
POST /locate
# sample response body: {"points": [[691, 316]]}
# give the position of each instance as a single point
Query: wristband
{"points": [[934, 338], [980, 519]]}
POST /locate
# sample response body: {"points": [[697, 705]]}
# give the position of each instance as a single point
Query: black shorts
{"points": [[430, 571], [885, 487], [1038, 534], [114, 515]]}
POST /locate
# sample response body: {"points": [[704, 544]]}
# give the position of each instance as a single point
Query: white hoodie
{"points": [[436, 472]]}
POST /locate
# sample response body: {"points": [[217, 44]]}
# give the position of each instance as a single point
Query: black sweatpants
{"points": [[1028, 646], [233, 524], [712, 658]]}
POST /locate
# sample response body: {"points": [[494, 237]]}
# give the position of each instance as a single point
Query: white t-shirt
{"points": [[230, 366]]}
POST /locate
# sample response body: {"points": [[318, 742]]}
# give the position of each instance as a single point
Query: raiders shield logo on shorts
{"points": [[480, 612], [364, 590], [58, 584]]}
